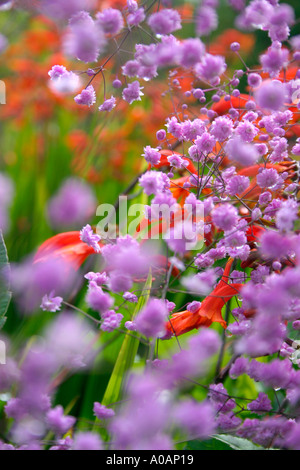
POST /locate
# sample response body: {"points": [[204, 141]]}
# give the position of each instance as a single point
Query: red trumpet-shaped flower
{"points": [[67, 245], [210, 310]]}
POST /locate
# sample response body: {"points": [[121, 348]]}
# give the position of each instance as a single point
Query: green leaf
{"points": [[5, 294], [126, 355], [237, 443], [211, 444]]}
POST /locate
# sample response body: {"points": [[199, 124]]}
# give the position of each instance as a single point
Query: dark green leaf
{"points": [[5, 294]]}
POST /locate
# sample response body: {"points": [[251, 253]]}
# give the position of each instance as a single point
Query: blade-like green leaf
{"points": [[237, 443], [5, 294], [126, 355], [211, 444]]}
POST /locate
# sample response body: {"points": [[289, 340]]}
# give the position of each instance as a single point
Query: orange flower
{"points": [[210, 310]]}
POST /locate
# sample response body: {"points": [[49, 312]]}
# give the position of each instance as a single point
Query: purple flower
{"points": [[197, 419], [237, 184], [108, 104], [136, 17], [57, 422], [210, 67], [193, 306], [240, 152], [84, 40], [119, 282], [87, 441], [261, 404], [66, 83], [247, 131], [72, 205], [220, 399], [225, 216], [165, 21], [87, 97], [110, 320], [259, 274], [131, 68], [151, 320], [102, 412], [32, 280], [239, 367], [98, 300], [110, 20], [68, 341], [132, 92], [64, 10], [151, 156], [153, 181], [271, 95], [130, 297], [206, 20], [98, 278], [258, 13], [274, 60], [51, 303], [90, 238], [286, 215], [191, 52], [57, 71], [267, 178]]}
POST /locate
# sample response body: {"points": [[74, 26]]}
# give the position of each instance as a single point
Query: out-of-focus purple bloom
{"points": [[165, 21], [84, 40], [64, 10], [241, 152], [191, 52], [97, 299], [110, 20], [136, 17], [87, 441], [210, 67], [72, 205], [206, 20], [65, 83], [69, 340], [271, 95], [151, 320], [274, 60], [197, 419], [32, 280], [58, 422]]}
